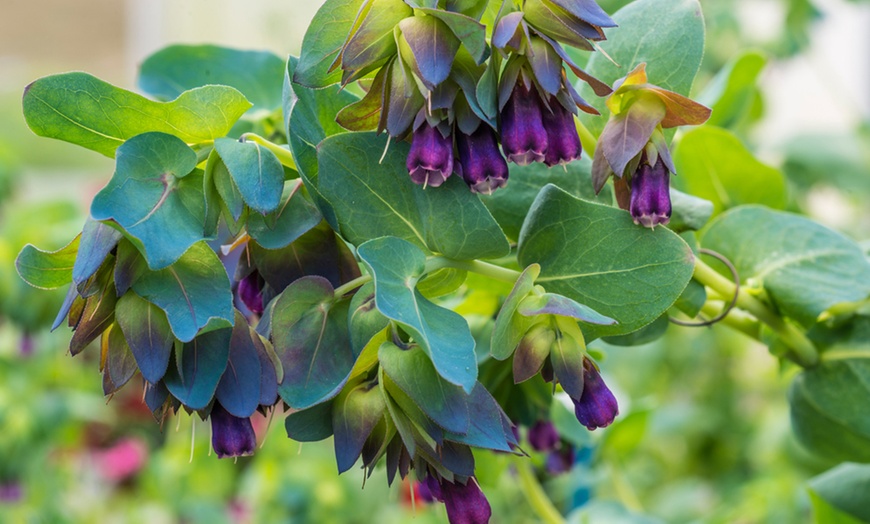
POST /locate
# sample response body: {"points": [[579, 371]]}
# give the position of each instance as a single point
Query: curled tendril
{"points": [[734, 275]]}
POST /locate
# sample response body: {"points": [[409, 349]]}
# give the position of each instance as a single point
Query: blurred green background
{"points": [[704, 432]]}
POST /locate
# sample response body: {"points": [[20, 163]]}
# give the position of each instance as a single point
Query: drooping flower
{"points": [[597, 406], [650, 194], [231, 436], [465, 503], [430, 160], [251, 294], [523, 136], [560, 460], [430, 490], [543, 436], [563, 142], [480, 162]]}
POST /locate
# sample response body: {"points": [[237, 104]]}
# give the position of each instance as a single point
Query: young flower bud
{"points": [[231, 436], [430, 160], [480, 162], [560, 460], [650, 195], [523, 136], [430, 490], [563, 142], [465, 504], [597, 406], [250, 293], [543, 436]]}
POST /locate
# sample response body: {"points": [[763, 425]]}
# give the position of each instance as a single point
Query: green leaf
{"points": [[845, 487], [296, 216], [733, 94], [148, 334], [120, 366], [354, 416], [713, 164], [804, 267], [397, 265], [194, 292], [239, 388], [690, 213], [96, 242], [47, 269], [323, 41], [373, 200], [153, 196], [822, 421], [98, 313], [649, 332], [310, 425], [469, 31], [597, 256], [509, 327], [433, 46], [256, 171], [413, 373], [554, 304], [364, 320], [310, 336], [666, 34], [176, 68], [442, 282], [83, 110], [203, 360], [826, 513]]}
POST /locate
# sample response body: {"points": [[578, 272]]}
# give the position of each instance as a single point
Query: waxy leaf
{"points": [[310, 425], [367, 114], [804, 267], [845, 487], [147, 333], [310, 336], [597, 256], [193, 292], [587, 10], [468, 30], [433, 46], [172, 70], [509, 327], [372, 41], [444, 335], [323, 41], [203, 360], [239, 388], [120, 366], [626, 134], [354, 416], [152, 197], [47, 269], [714, 164], [405, 99], [155, 398], [413, 372], [566, 356], [270, 365], [98, 313], [295, 217], [364, 321], [96, 242], [489, 426], [83, 110], [553, 304], [373, 199], [546, 65], [257, 172], [129, 266]]}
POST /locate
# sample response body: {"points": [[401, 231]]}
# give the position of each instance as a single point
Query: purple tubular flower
{"points": [[563, 142], [250, 293], [231, 436], [430, 490], [597, 406], [523, 136], [465, 504], [480, 162], [543, 436], [430, 160], [560, 460], [650, 195]]}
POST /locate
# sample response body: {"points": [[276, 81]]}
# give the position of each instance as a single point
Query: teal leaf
{"points": [[47, 269], [354, 416], [469, 31], [804, 267], [193, 291], [433, 45], [152, 197], [413, 372], [83, 110], [203, 360], [554, 304], [364, 320], [257, 172], [295, 217], [489, 425], [509, 327], [845, 488], [172, 70], [397, 265], [310, 425], [129, 266], [96, 242], [597, 256], [323, 41], [120, 365], [239, 388], [310, 336], [147, 333], [373, 199], [715, 165]]}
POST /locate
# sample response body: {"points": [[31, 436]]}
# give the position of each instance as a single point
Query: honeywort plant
{"points": [[306, 248]]}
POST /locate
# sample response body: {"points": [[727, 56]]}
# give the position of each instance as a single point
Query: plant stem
{"points": [[736, 320], [283, 154], [475, 266], [347, 287], [802, 350], [539, 500]]}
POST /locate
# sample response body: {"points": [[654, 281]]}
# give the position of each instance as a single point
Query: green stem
{"points": [[347, 287], [736, 320], [803, 351], [283, 154], [534, 493], [475, 266]]}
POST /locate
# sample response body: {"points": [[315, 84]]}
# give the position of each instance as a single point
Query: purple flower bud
{"points": [[560, 460], [650, 194], [563, 142], [597, 406], [543, 436], [231, 436], [430, 160], [480, 162], [250, 293], [430, 490], [465, 504], [523, 136]]}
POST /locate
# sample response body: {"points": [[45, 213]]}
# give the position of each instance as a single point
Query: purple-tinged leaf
{"points": [[155, 397], [546, 65], [470, 32], [366, 114], [509, 328], [147, 333], [354, 416], [364, 320], [598, 87], [98, 313], [120, 365], [506, 33], [310, 425], [129, 266], [269, 377], [587, 10], [626, 134], [551, 303], [65, 308], [96, 242], [433, 45], [203, 362], [532, 352], [558, 24], [487, 423], [404, 100], [374, 41], [566, 356], [239, 388]]}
